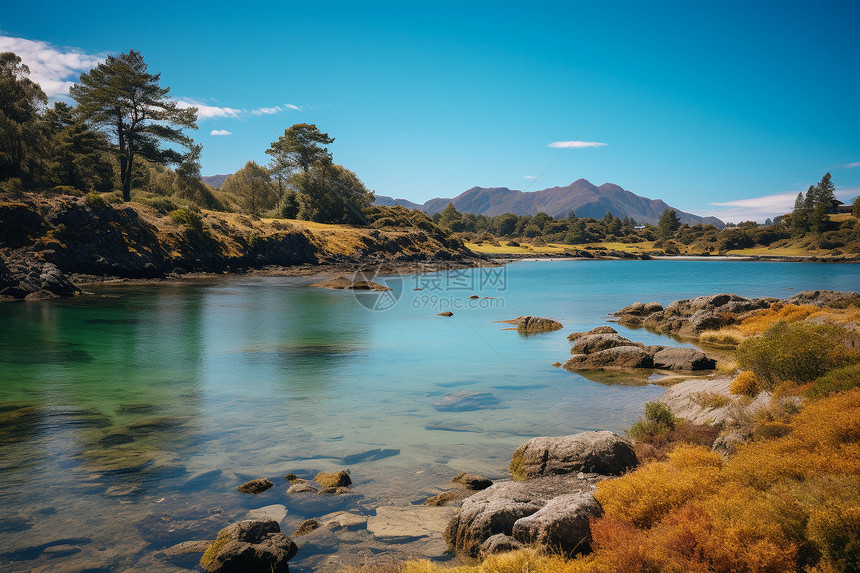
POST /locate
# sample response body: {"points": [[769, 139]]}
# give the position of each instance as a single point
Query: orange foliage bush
{"points": [[784, 503], [745, 384]]}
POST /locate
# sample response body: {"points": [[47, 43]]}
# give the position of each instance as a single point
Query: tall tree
{"points": [[253, 188], [826, 192], [330, 193], [78, 153], [121, 98], [22, 135], [298, 149], [668, 223]]}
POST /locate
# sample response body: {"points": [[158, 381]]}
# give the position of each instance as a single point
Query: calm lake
{"points": [[128, 419]]}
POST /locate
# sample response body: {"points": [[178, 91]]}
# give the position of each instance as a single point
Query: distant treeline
{"points": [[809, 225]]}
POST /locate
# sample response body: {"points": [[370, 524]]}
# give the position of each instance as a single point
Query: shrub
{"points": [[161, 204], [643, 497], [745, 384], [94, 200], [839, 380], [799, 351], [711, 400], [658, 420], [190, 219]]}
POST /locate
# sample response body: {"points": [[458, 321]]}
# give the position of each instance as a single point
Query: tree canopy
{"points": [[668, 223], [22, 133], [253, 188], [122, 99]]}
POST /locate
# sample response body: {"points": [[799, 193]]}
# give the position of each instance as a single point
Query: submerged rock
{"points": [[603, 453], [250, 545], [344, 283], [448, 497], [466, 400], [403, 523], [306, 527]]}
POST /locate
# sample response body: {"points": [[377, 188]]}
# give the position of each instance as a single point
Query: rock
{"points": [[446, 313], [333, 480], [333, 490], [563, 524], [823, 297], [275, 512], [726, 444], [617, 358], [684, 401], [255, 486], [597, 342], [466, 400], [472, 481], [557, 364], [165, 530], [343, 520], [186, 553], [122, 490], [603, 452], [301, 487], [683, 359], [598, 330], [499, 543], [250, 545], [535, 324], [61, 550], [496, 509], [344, 283], [306, 527], [402, 523], [448, 497]]}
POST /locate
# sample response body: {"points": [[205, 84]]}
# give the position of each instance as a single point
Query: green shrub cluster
{"points": [[798, 352], [190, 219]]}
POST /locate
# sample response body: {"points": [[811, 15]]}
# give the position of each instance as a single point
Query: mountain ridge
{"points": [[582, 197]]}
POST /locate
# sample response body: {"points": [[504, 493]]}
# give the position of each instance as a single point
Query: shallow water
{"points": [[143, 406]]}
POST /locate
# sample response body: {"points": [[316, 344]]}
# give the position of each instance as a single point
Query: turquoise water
{"points": [[159, 401]]}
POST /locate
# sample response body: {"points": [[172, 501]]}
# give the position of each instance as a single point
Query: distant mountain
{"points": [[387, 201], [581, 197], [215, 181]]}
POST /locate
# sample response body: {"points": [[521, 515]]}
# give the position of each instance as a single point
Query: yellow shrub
{"points": [[745, 384], [644, 496], [761, 320]]}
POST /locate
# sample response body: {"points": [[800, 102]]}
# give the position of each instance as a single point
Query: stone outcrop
{"points": [[498, 509], [597, 330], [534, 324], [563, 523], [250, 545], [689, 317], [602, 452], [471, 481], [596, 342], [618, 358], [682, 359]]}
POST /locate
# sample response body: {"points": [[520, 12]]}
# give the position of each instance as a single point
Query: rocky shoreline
{"points": [[51, 246]]}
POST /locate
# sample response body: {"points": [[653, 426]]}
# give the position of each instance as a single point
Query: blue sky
{"points": [[721, 108]]}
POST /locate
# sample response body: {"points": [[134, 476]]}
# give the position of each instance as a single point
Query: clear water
{"points": [[159, 401]]}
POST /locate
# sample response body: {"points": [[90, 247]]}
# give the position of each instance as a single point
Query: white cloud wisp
{"points": [[220, 132], [54, 69], [576, 144]]}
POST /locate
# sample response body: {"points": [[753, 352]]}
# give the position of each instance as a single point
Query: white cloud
{"points": [[852, 165], [54, 69], [220, 132], [268, 110], [576, 144], [291, 106], [529, 176], [208, 111]]}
